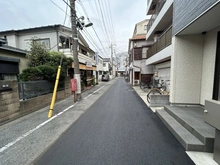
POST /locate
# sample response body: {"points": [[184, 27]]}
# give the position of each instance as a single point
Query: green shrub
{"points": [[31, 74], [49, 72], [44, 64]]}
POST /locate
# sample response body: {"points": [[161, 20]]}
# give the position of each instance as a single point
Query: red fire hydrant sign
{"points": [[73, 85]]}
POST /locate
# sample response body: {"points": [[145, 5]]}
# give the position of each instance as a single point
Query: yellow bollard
{"points": [[54, 93]]}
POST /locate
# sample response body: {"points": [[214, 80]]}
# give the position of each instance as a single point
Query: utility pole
{"points": [[111, 50], [75, 52], [112, 57]]}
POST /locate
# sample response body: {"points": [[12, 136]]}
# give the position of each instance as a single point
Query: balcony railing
{"points": [[162, 42], [155, 13]]}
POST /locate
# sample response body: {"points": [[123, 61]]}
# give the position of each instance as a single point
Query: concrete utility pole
{"points": [[75, 52], [111, 52], [111, 49]]}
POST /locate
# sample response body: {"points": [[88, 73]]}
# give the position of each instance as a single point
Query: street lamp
{"points": [[76, 24]]}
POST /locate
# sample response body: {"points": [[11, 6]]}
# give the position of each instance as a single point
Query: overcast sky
{"points": [[20, 14]]}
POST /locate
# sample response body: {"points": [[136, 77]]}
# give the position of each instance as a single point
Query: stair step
{"points": [[192, 119], [186, 139]]}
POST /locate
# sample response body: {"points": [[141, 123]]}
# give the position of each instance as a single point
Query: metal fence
{"points": [[31, 89], [164, 41]]}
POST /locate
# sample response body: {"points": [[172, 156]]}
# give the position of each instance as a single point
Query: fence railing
{"points": [[155, 13], [163, 41], [31, 89]]}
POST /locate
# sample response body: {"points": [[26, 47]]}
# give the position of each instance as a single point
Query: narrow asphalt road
{"points": [[117, 129]]}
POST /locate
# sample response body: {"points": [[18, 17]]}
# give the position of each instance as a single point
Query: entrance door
{"points": [[216, 89]]}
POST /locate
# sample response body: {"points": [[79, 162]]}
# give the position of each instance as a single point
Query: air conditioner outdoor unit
{"points": [[136, 82]]}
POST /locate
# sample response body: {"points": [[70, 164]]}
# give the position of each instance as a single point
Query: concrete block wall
{"points": [[9, 101], [11, 107], [39, 102]]}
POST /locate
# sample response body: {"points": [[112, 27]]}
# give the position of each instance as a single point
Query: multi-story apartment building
{"points": [[196, 57], [187, 44], [137, 48], [159, 31], [56, 38]]}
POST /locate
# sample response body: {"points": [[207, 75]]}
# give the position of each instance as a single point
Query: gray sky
{"points": [[20, 14]]}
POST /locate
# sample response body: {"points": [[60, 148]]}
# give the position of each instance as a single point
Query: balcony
{"points": [[82, 57], [160, 19], [163, 41], [155, 13]]}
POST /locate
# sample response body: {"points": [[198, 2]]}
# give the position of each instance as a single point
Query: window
{"points": [[104, 64], [145, 27], [84, 52], [138, 54], [45, 42], [65, 42]]}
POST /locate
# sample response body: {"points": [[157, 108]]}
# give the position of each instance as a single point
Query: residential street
{"points": [[24, 139], [117, 129]]}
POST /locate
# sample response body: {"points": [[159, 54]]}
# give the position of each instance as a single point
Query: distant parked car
{"points": [[105, 77]]}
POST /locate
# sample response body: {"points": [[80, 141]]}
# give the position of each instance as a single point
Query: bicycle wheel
{"points": [[154, 91]]}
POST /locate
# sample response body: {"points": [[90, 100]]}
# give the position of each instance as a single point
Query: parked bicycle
{"points": [[144, 85], [159, 89]]}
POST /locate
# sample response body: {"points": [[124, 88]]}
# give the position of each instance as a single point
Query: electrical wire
{"points": [[65, 13], [103, 20], [93, 26], [112, 25], [100, 42], [58, 7]]}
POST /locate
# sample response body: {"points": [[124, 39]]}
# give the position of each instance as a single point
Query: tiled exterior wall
{"points": [[185, 11], [186, 72], [208, 65]]}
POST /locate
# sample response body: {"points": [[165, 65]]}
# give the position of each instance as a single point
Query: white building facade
{"points": [[159, 31], [56, 38], [138, 46], [193, 56]]}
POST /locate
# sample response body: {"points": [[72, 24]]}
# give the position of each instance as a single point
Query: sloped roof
{"points": [[138, 37], [32, 28], [13, 49], [55, 26]]}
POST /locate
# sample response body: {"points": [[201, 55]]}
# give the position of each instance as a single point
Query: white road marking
{"points": [[93, 92], [98, 89], [34, 129], [40, 125], [87, 96]]}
